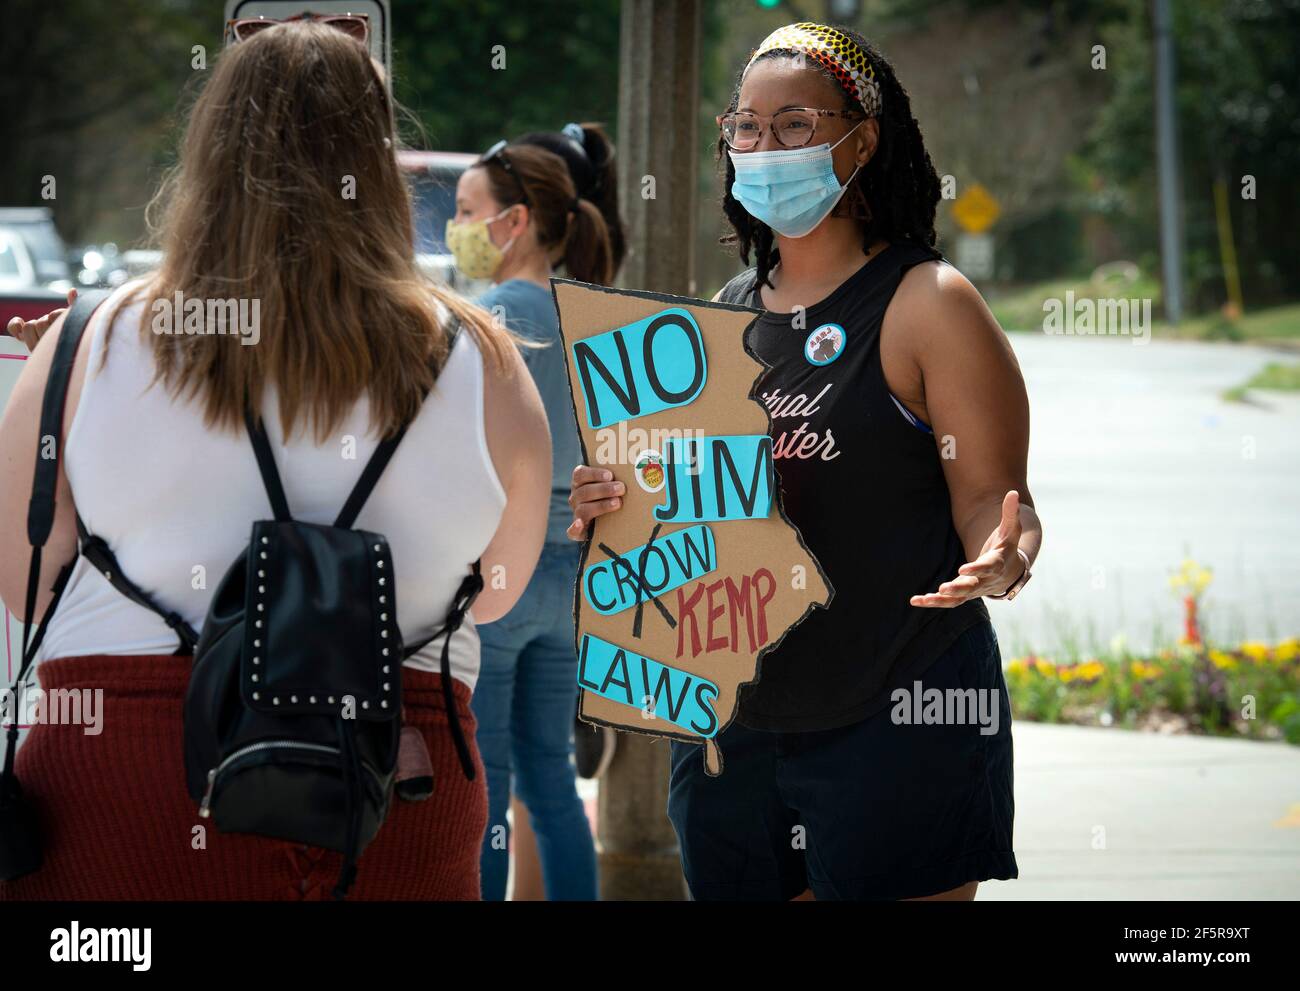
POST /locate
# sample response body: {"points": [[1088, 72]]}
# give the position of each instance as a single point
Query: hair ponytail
{"points": [[578, 235], [589, 154], [604, 188], [588, 255]]}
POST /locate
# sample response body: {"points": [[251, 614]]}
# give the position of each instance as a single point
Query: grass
{"points": [[1274, 376], [1021, 309]]}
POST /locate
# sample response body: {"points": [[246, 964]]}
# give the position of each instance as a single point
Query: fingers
{"points": [[31, 331], [583, 474], [934, 600], [959, 586], [594, 492], [72, 296], [1009, 527], [990, 564], [974, 579]]}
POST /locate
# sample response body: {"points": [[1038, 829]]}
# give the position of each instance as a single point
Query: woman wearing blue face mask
{"points": [[872, 760], [517, 211]]}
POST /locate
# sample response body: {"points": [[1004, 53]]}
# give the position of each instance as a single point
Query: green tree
{"points": [[476, 71]]}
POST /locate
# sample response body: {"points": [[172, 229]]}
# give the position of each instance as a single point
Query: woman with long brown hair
{"points": [[289, 203]]}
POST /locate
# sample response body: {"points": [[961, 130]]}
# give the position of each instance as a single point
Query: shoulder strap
{"points": [[45, 481], [40, 513]]}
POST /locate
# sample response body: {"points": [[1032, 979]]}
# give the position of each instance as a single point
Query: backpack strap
{"points": [[377, 463], [470, 587], [369, 477], [266, 465], [100, 555], [360, 492]]}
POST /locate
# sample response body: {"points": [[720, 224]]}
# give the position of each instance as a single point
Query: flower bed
{"points": [[1251, 690]]}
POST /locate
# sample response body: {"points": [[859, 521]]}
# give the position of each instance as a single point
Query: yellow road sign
{"points": [[976, 210]]}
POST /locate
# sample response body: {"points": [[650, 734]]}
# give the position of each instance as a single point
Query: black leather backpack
{"points": [[293, 711]]}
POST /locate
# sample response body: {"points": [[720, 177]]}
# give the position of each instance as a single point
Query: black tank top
{"points": [[867, 491]]}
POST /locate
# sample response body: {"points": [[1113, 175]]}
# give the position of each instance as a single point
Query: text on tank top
{"points": [[866, 489]]}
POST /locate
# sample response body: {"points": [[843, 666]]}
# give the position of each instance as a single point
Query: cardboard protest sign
{"points": [[683, 589]]}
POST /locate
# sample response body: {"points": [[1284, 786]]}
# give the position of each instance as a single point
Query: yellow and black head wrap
{"points": [[836, 51]]}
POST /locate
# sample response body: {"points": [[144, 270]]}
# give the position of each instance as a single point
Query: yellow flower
{"points": [[1044, 667], [1146, 672], [1191, 577], [1257, 652], [1091, 671], [1066, 675], [1287, 650], [1222, 660]]}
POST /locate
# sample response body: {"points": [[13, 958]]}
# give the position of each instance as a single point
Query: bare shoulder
{"points": [[936, 310], [513, 416]]}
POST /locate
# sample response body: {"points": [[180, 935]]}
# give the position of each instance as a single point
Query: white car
{"points": [[16, 268]]}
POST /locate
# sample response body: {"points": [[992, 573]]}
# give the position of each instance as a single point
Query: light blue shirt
{"points": [[529, 311]]}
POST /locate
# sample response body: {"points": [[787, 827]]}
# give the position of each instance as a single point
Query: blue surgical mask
{"points": [[791, 189]]}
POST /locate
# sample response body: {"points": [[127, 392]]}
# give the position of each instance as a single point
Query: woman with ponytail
{"points": [[589, 154], [904, 469], [518, 213]]}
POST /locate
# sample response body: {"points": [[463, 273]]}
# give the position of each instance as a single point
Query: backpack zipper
{"points": [[205, 805]]}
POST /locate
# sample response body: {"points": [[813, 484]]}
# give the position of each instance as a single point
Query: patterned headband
{"points": [[833, 49]]}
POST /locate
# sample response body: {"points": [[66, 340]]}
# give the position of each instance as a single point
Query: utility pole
{"points": [[658, 147], [1171, 227]]}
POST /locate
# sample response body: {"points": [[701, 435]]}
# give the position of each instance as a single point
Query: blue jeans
{"points": [[525, 702]]}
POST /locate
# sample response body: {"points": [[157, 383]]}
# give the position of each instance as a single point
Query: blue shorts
{"points": [[912, 801]]}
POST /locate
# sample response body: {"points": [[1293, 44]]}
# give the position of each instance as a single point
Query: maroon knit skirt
{"points": [[118, 823]]}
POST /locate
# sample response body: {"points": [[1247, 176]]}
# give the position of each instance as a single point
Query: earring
{"points": [[854, 204]]}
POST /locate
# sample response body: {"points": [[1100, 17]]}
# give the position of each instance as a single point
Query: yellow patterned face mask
{"points": [[471, 245], [836, 51]]}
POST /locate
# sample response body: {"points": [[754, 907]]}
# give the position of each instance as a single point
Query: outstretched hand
{"points": [[992, 572]]}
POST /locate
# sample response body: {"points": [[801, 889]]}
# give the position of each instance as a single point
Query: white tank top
{"points": [[175, 501]]}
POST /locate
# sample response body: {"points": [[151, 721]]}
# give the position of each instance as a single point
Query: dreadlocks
{"points": [[898, 185]]}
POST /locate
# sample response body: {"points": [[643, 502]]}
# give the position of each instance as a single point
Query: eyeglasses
{"points": [[792, 128], [353, 25], [497, 154]]}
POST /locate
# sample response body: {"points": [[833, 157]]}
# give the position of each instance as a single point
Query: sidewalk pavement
{"points": [[1114, 814]]}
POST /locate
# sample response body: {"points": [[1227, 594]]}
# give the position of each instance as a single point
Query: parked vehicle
{"points": [[433, 176], [34, 226], [16, 268]]}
